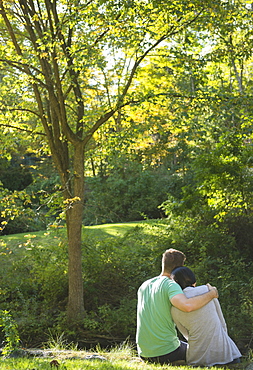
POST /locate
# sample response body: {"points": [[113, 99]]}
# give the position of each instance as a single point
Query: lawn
{"points": [[117, 358], [54, 234], [44, 364]]}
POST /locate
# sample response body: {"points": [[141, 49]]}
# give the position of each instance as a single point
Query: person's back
{"points": [[156, 333], [206, 332]]}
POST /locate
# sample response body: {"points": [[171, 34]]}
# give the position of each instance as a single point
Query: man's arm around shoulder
{"points": [[191, 304]]}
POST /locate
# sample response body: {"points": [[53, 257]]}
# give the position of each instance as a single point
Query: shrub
{"points": [[17, 214], [14, 177], [126, 194], [35, 284], [10, 332]]}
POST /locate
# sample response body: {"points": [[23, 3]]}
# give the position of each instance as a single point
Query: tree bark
{"points": [[74, 215]]}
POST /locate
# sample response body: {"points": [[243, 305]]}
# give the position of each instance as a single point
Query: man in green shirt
{"points": [[156, 335]]}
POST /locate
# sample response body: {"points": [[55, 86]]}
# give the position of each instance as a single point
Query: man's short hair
{"points": [[171, 259]]}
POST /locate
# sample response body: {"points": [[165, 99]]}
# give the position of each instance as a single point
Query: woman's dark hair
{"points": [[183, 276]]}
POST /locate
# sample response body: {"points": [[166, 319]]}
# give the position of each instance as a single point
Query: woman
{"points": [[205, 329]]}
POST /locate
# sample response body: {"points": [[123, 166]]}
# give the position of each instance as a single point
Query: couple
{"points": [[162, 303]]}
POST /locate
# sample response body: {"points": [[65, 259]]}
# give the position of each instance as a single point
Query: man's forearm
{"points": [[199, 301], [191, 304]]}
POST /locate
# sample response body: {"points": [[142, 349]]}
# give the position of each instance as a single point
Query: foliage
{"points": [[10, 332], [127, 193], [17, 213], [38, 288], [39, 204], [222, 178], [14, 177], [114, 267], [73, 68]]}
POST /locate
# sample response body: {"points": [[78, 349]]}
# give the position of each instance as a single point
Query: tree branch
{"points": [[22, 67], [23, 129], [20, 110]]}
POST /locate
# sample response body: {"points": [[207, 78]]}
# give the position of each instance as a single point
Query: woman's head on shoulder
{"points": [[183, 276]]}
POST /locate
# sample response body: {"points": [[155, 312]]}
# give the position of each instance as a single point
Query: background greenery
{"points": [[117, 258]]}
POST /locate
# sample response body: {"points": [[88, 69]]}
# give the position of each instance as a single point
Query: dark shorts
{"points": [[178, 354]]}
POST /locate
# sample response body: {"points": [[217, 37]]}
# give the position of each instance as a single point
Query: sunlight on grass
{"points": [[78, 364], [111, 229], [39, 237], [58, 342], [120, 357], [55, 235]]}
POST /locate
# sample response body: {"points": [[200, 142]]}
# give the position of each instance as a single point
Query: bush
{"points": [[126, 194], [10, 332], [17, 214], [14, 177], [35, 286]]}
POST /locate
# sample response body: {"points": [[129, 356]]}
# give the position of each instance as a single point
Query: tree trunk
{"points": [[75, 310]]}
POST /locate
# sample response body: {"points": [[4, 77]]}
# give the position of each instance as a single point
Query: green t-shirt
{"points": [[156, 332]]}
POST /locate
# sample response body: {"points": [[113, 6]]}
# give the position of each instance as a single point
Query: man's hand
{"points": [[194, 303], [214, 289]]}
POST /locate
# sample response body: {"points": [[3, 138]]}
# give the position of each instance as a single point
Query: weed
{"points": [[10, 332]]}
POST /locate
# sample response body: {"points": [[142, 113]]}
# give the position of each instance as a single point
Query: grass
{"points": [[22, 364], [15, 245], [43, 364], [118, 358], [102, 231], [54, 234]]}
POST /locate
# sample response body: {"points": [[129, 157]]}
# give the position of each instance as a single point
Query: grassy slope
{"points": [[15, 246], [52, 236], [111, 229]]}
